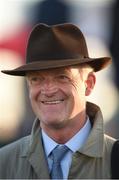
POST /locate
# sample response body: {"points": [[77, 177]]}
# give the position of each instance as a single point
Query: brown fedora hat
{"points": [[57, 46]]}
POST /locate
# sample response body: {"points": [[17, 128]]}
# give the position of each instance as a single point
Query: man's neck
{"points": [[63, 134]]}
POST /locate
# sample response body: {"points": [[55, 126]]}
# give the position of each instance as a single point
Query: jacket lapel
{"points": [[94, 144], [36, 155]]}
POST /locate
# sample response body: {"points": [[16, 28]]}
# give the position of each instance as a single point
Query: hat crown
{"points": [[64, 41], [57, 46]]}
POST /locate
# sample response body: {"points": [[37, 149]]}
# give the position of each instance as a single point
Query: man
{"points": [[67, 139]]}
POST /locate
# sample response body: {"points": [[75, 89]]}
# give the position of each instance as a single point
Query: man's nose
{"points": [[49, 87]]}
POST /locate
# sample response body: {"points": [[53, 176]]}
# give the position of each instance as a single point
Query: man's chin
{"points": [[53, 123]]}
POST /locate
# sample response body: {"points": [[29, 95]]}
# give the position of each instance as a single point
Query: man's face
{"points": [[57, 95]]}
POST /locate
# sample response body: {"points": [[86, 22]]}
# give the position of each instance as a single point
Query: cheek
{"points": [[79, 95], [79, 88], [33, 94]]}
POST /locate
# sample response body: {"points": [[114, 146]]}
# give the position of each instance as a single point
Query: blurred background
{"points": [[98, 19]]}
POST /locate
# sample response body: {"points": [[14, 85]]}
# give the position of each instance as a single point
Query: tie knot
{"points": [[59, 152]]}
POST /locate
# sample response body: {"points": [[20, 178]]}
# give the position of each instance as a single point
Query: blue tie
{"points": [[58, 153]]}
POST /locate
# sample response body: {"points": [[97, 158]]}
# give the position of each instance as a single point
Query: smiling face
{"points": [[57, 96]]}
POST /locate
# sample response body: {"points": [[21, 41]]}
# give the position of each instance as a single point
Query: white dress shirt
{"points": [[73, 144]]}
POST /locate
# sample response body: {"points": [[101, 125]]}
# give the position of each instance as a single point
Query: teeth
{"points": [[52, 102]]}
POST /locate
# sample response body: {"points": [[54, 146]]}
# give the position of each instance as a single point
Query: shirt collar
{"points": [[49, 144], [73, 144], [77, 141]]}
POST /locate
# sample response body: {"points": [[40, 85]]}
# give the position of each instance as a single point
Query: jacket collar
{"points": [[34, 152], [94, 144]]}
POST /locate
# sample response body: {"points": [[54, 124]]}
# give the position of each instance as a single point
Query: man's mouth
{"points": [[52, 102]]}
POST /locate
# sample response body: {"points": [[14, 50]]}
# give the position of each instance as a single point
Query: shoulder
{"points": [[13, 158], [18, 147], [108, 143], [109, 139]]}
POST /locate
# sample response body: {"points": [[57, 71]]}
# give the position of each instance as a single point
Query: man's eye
{"points": [[36, 80], [63, 78]]}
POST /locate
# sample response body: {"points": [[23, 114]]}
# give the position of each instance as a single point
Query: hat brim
{"points": [[96, 63]]}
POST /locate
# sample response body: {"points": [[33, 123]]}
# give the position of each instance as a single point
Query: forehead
{"points": [[55, 71]]}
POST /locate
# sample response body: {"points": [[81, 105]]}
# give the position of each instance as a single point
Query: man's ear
{"points": [[90, 83]]}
